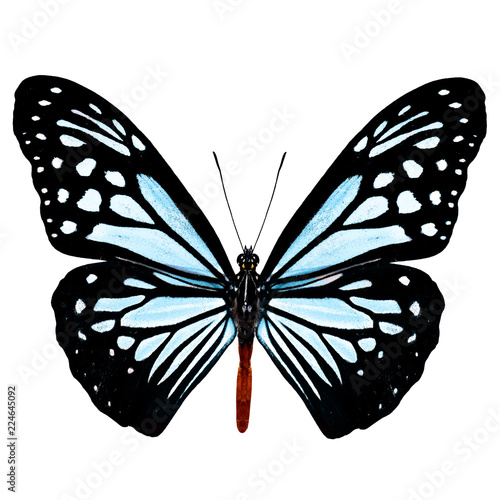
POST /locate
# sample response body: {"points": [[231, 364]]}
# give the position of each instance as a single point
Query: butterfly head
{"points": [[247, 260]]}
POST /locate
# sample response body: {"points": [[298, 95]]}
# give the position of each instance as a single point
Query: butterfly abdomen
{"points": [[246, 308]]}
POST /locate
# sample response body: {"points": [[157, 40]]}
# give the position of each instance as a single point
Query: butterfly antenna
{"points": [[225, 195], [271, 200]]}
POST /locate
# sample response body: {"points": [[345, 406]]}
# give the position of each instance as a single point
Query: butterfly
{"points": [[348, 328]]}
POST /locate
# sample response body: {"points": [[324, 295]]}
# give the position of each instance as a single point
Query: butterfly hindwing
{"points": [[352, 348], [105, 191], [139, 341], [392, 194]]}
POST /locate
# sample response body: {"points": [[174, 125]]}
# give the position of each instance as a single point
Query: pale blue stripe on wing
{"points": [[314, 342], [158, 198], [326, 215], [377, 306], [165, 311], [345, 245], [151, 244], [263, 334], [329, 312]]}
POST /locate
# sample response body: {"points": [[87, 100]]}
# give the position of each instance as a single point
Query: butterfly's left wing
{"points": [[353, 347], [139, 341], [105, 191]]}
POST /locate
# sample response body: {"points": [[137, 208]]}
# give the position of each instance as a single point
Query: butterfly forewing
{"points": [[393, 192], [139, 341], [105, 191], [353, 348]]}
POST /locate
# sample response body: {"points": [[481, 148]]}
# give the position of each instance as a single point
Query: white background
{"points": [[222, 70]]}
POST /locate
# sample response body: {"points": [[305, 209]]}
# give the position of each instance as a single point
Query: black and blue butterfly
{"points": [[348, 329]]}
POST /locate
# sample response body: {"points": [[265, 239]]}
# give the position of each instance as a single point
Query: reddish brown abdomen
{"points": [[244, 386]]}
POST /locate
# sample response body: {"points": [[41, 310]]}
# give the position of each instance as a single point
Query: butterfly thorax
{"points": [[246, 302]]}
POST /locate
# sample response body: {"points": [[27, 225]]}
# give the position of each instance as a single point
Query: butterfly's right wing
{"points": [[105, 191], [139, 341], [392, 194]]}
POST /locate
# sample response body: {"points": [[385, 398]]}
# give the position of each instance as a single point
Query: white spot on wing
{"points": [[367, 344], [435, 197], [137, 143], [404, 110], [115, 178], [429, 143], [415, 308], [90, 201], [62, 195], [79, 306], [85, 167], [119, 127], [441, 165], [429, 229], [361, 144], [390, 328], [407, 203], [125, 342], [380, 128], [413, 169], [57, 163], [95, 108], [104, 326], [70, 141], [383, 180], [68, 227]]}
